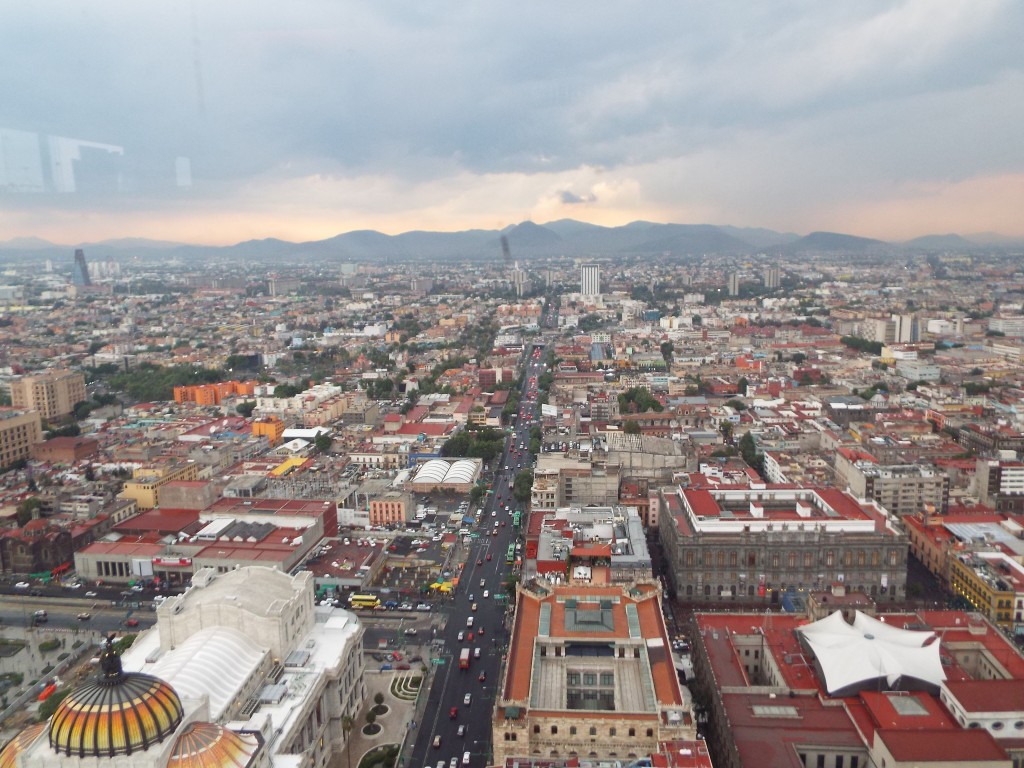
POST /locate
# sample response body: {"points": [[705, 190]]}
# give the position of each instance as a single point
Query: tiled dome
{"points": [[207, 745], [116, 713], [17, 745]]}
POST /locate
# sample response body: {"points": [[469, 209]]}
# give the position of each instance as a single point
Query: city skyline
{"points": [[207, 125]]}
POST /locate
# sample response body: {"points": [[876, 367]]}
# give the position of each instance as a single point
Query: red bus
{"points": [[464, 659]]}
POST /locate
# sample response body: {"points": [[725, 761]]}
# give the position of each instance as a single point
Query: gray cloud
{"points": [[824, 100], [568, 197]]}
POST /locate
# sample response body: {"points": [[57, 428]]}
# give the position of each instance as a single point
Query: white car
{"points": [[22, 585], [467, 699], [487, 593]]}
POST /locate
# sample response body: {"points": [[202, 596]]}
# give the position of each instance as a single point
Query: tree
{"points": [[378, 699], [667, 349], [370, 717], [322, 442], [631, 427], [48, 707], [27, 510], [523, 485], [246, 408], [736, 404], [346, 727], [286, 390]]}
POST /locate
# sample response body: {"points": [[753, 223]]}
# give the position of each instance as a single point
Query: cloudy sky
{"points": [[221, 121]]}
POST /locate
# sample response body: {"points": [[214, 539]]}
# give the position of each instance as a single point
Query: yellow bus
{"points": [[364, 601]]}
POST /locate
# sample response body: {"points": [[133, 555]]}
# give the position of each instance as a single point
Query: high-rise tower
{"points": [[590, 279], [80, 270]]}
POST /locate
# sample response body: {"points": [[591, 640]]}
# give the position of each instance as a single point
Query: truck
{"points": [[464, 659]]}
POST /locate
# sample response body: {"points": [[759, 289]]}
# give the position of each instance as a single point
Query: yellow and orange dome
{"points": [[208, 745], [117, 713], [17, 745]]}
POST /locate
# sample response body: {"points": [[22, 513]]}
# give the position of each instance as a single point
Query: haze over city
{"points": [[216, 123]]}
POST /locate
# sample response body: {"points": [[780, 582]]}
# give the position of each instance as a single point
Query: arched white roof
{"points": [[461, 471], [432, 472], [215, 662], [850, 655]]}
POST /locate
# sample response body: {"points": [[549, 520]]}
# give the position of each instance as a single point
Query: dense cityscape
{"points": [[558, 502]]}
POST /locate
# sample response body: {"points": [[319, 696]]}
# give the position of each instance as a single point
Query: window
{"points": [[632, 731], [607, 678], [589, 678], [573, 678], [650, 732], [821, 761], [554, 729], [536, 729], [572, 730], [830, 558], [612, 732], [593, 731]]}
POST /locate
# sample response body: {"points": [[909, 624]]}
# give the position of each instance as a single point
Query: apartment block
{"points": [[19, 431], [53, 393]]}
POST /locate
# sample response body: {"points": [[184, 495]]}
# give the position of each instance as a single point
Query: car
{"points": [[403, 666], [472, 607], [461, 730], [467, 699], [91, 594], [469, 621], [483, 582], [483, 676], [481, 630], [502, 523], [494, 513], [453, 763], [74, 585], [84, 616], [22, 585], [465, 758], [386, 667], [437, 742], [476, 654], [131, 622], [479, 561], [469, 637], [461, 636], [396, 656], [471, 597], [411, 632], [487, 593], [453, 713], [488, 558]]}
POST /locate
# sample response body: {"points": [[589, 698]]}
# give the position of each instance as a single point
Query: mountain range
{"points": [[527, 241]]}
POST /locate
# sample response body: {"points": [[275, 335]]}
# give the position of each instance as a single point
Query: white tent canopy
{"points": [[851, 655]]}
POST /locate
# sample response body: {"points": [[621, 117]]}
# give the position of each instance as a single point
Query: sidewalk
{"points": [[394, 724]]}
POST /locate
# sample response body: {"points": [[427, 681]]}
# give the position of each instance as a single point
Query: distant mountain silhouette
{"points": [[950, 242], [527, 240], [835, 242]]}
